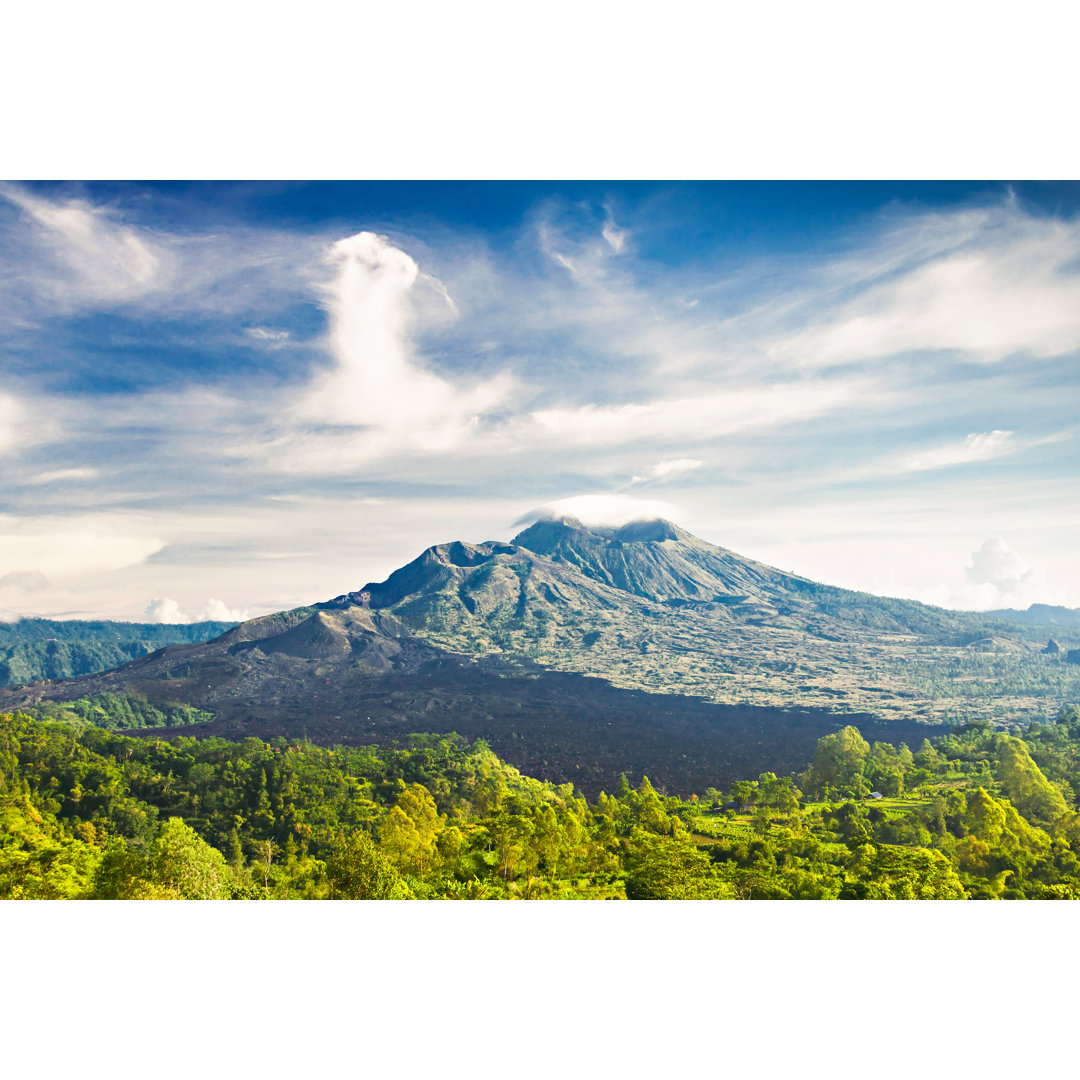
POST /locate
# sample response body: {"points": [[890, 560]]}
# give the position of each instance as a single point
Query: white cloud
{"points": [[549, 239], [995, 563], [215, 610], [64, 254], [996, 577], [377, 382], [610, 510], [906, 546], [163, 609]]}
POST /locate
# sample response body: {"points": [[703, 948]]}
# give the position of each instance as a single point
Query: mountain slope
{"points": [[556, 567], [651, 607]]}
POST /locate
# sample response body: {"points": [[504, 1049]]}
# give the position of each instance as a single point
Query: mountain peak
{"points": [[650, 531], [547, 535]]}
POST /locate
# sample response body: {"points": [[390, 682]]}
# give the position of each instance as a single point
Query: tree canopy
{"points": [[87, 812]]}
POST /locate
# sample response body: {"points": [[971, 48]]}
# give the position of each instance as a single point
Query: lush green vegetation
{"points": [[118, 712], [33, 649], [92, 813]]}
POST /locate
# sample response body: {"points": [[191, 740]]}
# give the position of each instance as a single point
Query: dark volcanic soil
{"points": [[566, 727]]}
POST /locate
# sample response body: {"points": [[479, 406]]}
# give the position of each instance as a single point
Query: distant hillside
{"points": [[1041, 615], [34, 649]]}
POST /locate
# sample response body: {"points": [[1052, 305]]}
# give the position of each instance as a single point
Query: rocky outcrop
{"points": [[1052, 648]]}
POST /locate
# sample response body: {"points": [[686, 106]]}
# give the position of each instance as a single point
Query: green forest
{"points": [[90, 813]]}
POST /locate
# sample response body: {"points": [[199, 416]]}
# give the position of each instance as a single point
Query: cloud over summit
{"points": [[603, 509]]}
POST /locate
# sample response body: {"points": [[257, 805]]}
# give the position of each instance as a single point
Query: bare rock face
{"points": [[1052, 648], [1072, 656]]}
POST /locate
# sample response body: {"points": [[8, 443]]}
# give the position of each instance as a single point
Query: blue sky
{"points": [[226, 399]]}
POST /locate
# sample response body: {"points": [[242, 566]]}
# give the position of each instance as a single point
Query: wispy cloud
{"points": [[266, 336], [580, 245], [986, 284], [94, 258], [62, 255], [702, 416], [55, 476], [617, 238], [668, 469], [28, 421], [12, 414], [976, 447]]}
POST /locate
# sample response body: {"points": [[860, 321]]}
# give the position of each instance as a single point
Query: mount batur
{"points": [[579, 653]]}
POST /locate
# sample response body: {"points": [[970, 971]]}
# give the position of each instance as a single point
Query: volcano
{"points": [[577, 652]]}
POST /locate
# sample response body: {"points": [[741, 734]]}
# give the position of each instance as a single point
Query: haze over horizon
{"points": [[222, 400]]}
